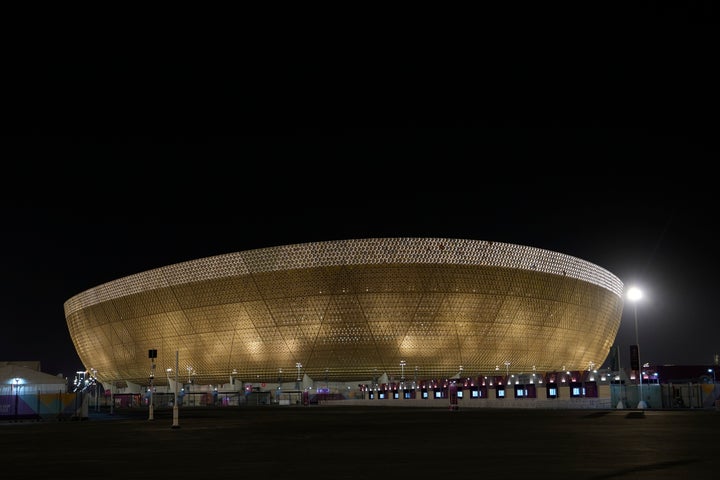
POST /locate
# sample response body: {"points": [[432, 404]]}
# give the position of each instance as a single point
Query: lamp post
{"points": [[152, 355], [168, 371], [298, 365], [507, 372], [176, 408], [712, 370], [634, 294], [95, 384], [402, 374], [17, 386]]}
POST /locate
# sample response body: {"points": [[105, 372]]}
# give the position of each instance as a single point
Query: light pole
{"points": [[95, 384], [168, 371], [634, 294], [712, 370], [176, 411], [17, 386], [152, 355], [402, 374], [507, 372], [298, 365]]}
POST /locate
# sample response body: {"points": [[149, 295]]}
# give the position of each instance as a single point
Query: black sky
{"points": [[601, 149], [135, 203]]}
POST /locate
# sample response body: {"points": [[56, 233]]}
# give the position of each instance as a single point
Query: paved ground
{"points": [[367, 442]]}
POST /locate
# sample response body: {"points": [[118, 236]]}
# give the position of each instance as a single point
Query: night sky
{"points": [[121, 162], [628, 200]]}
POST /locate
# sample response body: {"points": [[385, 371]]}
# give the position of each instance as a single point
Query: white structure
{"points": [[27, 378]]}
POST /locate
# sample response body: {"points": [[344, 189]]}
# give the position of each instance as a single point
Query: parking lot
{"points": [[366, 442]]}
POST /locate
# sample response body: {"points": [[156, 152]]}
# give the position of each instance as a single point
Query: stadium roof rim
{"points": [[395, 250]]}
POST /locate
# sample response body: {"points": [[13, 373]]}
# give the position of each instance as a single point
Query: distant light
{"points": [[634, 294]]}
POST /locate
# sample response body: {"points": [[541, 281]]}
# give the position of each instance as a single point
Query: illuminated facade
{"points": [[349, 311]]}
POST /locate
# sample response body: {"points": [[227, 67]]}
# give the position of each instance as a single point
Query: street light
{"points": [[17, 386], [298, 365], [507, 372], [152, 355], [402, 374], [94, 380], [634, 294], [712, 370]]}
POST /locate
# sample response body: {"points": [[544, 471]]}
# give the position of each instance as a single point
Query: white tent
{"points": [[27, 380]]}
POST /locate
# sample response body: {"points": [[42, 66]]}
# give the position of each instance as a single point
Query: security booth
{"points": [[530, 390], [576, 389], [409, 394], [394, 391], [478, 391], [591, 389], [551, 389], [453, 395], [383, 392]]}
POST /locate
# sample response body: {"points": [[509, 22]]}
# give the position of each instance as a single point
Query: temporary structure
{"points": [[26, 378]]}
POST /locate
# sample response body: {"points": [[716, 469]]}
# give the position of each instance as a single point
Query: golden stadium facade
{"points": [[350, 310]]}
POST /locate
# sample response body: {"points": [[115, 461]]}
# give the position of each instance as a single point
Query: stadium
{"points": [[347, 314]]}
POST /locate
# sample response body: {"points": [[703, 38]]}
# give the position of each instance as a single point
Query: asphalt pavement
{"points": [[366, 442]]}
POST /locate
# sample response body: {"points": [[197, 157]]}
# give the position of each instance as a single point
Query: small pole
{"points": [[153, 355], [176, 410]]}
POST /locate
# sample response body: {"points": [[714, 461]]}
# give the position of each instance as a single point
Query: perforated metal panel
{"points": [[347, 310]]}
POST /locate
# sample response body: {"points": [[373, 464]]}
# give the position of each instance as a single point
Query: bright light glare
{"points": [[634, 294]]}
